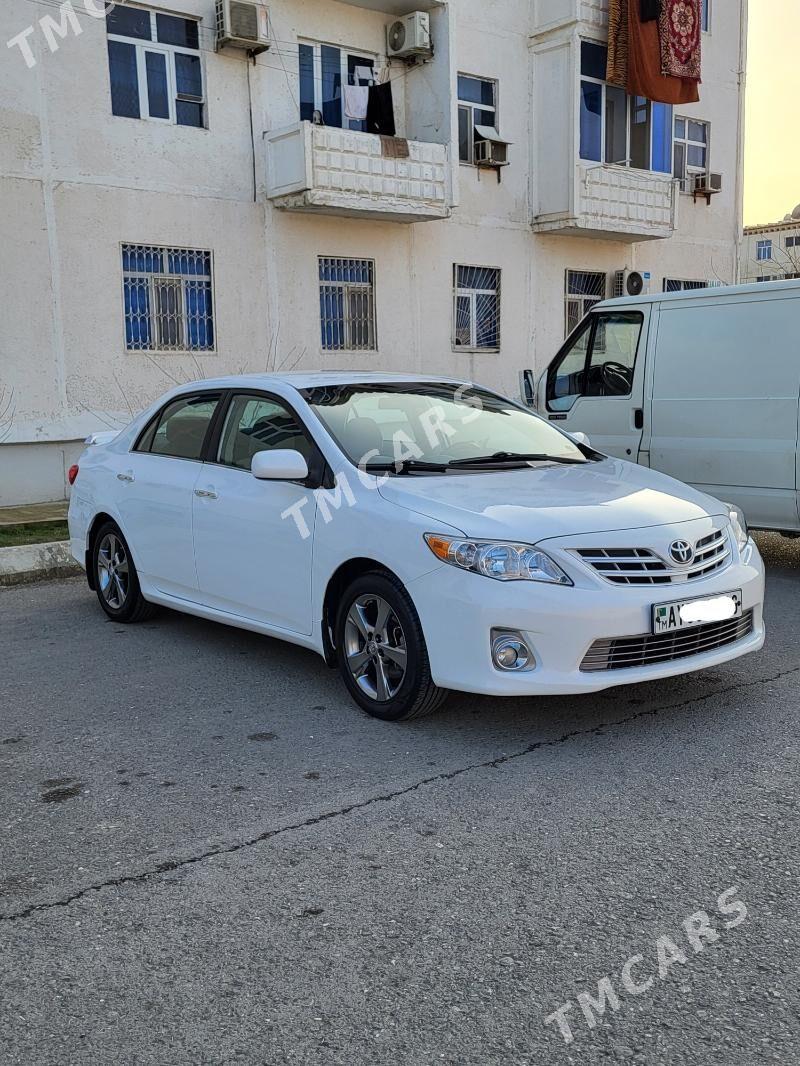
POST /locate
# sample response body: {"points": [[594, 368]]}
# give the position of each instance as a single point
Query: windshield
{"points": [[435, 423]]}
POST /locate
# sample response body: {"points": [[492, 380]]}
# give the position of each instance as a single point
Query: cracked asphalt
{"points": [[209, 855]]}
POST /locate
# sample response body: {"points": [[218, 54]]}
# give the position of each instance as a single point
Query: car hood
{"points": [[546, 501]]}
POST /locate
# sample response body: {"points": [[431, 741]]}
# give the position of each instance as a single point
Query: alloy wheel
{"points": [[112, 571], [375, 647]]}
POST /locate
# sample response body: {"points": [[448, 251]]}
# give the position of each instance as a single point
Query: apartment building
{"points": [[771, 252], [173, 211]]}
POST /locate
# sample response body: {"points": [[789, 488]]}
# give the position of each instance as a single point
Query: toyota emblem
{"points": [[681, 552]]}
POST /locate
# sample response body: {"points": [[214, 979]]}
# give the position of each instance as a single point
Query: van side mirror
{"points": [[527, 388], [280, 464]]}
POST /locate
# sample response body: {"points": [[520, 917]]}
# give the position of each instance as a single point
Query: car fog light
{"points": [[510, 651]]}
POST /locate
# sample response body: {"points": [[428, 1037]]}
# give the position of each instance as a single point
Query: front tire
{"points": [[115, 577], [381, 652]]}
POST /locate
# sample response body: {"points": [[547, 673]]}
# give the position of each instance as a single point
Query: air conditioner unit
{"points": [[706, 185], [409, 36], [490, 149], [631, 283], [242, 24]]}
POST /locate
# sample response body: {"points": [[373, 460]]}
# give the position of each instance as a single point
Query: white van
{"points": [[703, 385]]}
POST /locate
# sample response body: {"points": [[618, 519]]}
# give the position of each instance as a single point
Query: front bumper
{"points": [[458, 611]]}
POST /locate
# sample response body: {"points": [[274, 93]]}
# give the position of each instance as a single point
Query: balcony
{"points": [[549, 15], [332, 171], [616, 203]]}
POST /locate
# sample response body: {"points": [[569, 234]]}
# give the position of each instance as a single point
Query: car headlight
{"points": [[499, 560], [738, 525]]}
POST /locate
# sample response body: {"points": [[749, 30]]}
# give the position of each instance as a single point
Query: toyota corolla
{"points": [[420, 534]]}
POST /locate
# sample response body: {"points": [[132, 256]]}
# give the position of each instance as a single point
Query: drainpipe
{"points": [[742, 84]]}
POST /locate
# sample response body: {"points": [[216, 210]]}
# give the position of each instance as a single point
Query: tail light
{"points": [[72, 473]]}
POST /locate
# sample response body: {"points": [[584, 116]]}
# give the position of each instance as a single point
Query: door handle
{"points": [[638, 418], [206, 494], [125, 477]]}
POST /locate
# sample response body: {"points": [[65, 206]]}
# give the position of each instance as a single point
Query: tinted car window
{"points": [[257, 424], [180, 428]]}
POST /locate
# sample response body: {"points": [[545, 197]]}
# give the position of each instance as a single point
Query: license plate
{"points": [[686, 614]]}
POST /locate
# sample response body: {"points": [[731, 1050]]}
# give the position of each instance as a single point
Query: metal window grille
{"points": [[583, 289], [347, 304], [476, 308], [168, 299], [679, 285]]}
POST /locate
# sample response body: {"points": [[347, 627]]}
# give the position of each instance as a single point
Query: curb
{"points": [[36, 562]]}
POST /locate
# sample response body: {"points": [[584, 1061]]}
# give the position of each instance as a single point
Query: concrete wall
{"points": [[76, 182]]}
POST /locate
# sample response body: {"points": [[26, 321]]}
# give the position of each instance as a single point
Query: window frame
{"points": [[765, 244], [346, 53], [690, 171], [152, 277], [471, 107], [348, 288], [705, 15], [630, 106], [155, 421], [472, 294], [573, 297], [142, 47], [566, 349]]}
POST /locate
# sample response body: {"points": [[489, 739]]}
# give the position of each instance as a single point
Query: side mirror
{"points": [[527, 388], [281, 464], [581, 438]]}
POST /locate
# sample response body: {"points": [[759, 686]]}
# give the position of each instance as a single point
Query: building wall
{"points": [[76, 182], [784, 258]]}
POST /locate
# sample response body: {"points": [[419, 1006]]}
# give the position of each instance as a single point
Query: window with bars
{"points": [[682, 285], [583, 289], [476, 308], [155, 67], [347, 304], [691, 150], [168, 299]]}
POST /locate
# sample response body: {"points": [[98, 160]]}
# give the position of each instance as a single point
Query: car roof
{"points": [[700, 294], [316, 380]]}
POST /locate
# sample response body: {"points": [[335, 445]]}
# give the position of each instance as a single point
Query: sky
{"points": [[772, 146]]}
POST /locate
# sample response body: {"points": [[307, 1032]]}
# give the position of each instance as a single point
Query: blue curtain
{"points": [[137, 314]]}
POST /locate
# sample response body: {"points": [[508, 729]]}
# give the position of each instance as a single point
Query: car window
{"points": [[180, 428], [600, 361], [257, 424], [565, 379]]}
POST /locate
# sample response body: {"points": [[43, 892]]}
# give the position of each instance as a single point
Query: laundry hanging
{"points": [[645, 77], [356, 100], [679, 29], [650, 10], [380, 110], [618, 43]]}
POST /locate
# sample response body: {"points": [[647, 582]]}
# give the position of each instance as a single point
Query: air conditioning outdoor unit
{"points": [[631, 283], [409, 36], [242, 24], [490, 150], [707, 185]]}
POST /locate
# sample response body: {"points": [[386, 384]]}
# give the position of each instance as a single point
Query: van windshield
{"points": [[430, 423], [599, 361]]}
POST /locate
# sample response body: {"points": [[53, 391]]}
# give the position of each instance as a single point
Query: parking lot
{"points": [[210, 856]]}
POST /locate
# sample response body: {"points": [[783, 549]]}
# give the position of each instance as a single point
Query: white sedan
{"points": [[420, 534]]}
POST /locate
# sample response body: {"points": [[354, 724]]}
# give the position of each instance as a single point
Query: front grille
{"points": [[642, 566], [622, 653]]}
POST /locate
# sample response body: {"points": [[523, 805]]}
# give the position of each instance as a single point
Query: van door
{"points": [[726, 380], [596, 382]]}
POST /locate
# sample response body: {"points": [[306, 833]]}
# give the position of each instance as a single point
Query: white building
{"points": [[771, 252], [167, 216]]}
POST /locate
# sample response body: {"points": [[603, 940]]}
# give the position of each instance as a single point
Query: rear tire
{"points": [[115, 578], [381, 652]]}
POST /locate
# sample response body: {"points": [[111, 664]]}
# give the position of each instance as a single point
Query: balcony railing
{"points": [[343, 172], [551, 14], [617, 203]]}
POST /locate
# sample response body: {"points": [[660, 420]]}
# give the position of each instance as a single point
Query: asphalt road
{"points": [[210, 856]]}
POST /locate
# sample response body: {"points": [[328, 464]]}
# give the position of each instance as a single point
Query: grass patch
{"points": [[33, 533]]}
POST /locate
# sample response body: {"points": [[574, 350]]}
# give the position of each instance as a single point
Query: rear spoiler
{"points": [[105, 437]]}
